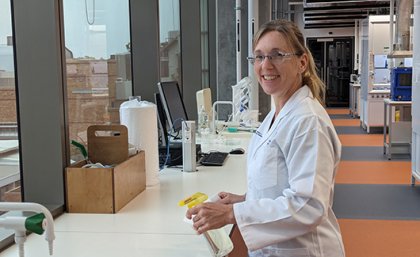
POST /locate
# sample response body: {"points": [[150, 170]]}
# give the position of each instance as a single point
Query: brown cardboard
{"points": [[104, 190]]}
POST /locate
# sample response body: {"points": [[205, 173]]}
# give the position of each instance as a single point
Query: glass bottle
{"points": [[203, 121]]}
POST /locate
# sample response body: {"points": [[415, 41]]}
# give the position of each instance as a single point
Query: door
{"points": [[334, 61]]}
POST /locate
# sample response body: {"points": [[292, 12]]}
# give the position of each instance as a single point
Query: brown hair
{"points": [[295, 38]]}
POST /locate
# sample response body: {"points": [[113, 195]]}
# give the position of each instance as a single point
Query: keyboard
{"points": [[214, 159]]}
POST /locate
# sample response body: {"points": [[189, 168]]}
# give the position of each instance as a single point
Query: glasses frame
{"points": [[278, 58]]}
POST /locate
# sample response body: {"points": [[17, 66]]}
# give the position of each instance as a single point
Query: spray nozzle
{"points": [[193, 200]]}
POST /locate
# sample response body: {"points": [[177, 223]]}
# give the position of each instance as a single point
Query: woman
{"points": [[292, 159]]}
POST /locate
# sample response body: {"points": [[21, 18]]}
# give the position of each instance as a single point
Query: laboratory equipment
{"points": [[204, 100], [241, 98], [189, 159], [37, 223], [203, 122], [401, 83]]}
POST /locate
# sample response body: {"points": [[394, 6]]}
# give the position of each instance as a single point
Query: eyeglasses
{"points": [[275, 58]]}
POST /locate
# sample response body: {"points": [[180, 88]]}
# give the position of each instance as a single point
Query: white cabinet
{"points": [[375, 109]]}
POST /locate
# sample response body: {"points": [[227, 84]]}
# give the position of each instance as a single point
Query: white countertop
{"points": [[151, 225]]}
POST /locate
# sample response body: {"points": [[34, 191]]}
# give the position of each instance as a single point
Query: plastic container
{"points": [[217, 240]]}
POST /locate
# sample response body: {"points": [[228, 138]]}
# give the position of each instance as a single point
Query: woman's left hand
{"points": [[207, 216]]}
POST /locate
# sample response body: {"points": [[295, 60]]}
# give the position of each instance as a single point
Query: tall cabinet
{"points": [[375, 86]]}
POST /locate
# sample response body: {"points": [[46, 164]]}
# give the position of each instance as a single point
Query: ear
{"points": [[303, 63]]}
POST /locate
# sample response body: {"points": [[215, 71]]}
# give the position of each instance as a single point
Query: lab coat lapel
{"points": [[265, 129]]}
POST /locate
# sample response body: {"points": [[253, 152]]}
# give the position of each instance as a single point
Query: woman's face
{"points": [[278, 76]]}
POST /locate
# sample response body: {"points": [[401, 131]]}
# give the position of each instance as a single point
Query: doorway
{"points": [[334, 61]]}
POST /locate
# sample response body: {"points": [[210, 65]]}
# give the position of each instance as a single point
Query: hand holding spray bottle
{"points": [[217, 240]]}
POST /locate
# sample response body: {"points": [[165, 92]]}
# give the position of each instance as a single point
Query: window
{"points": [[9, 146], [170, 57], [98, 62]]}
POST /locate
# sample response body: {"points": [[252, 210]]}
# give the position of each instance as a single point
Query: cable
{"points": [[87, 15]]}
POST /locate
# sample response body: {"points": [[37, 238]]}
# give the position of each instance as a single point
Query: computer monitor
{"points": [[173, 105], [162, 122]]}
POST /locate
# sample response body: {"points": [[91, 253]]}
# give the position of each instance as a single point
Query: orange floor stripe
{"points": [[346, 122], [338, 111], [369, 172], [380, 238], [362, 140]]}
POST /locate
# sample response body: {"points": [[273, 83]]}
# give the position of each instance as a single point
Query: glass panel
{"points": [[98, 60], [170, 56], [10, 190], [9, 145]]}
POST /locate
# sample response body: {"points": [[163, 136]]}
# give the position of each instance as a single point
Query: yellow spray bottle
{"points": [[217, 240]]}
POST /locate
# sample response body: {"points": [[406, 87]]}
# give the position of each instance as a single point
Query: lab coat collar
{"points": [[294, 100], [291, 104]]}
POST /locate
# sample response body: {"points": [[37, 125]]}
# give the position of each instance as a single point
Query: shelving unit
{"points": [[398, 138]]}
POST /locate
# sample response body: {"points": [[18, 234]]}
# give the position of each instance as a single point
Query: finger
{"points": [[198, 224], [202, 229], [191, 212], [223, 195]]}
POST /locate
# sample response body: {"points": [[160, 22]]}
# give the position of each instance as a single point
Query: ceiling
{"points": [[340, 13]]}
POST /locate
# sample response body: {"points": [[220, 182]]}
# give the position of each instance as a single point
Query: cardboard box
{"points": [[105, 190]]}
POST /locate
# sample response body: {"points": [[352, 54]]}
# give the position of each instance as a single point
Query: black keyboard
{"points": [[214, 159]]}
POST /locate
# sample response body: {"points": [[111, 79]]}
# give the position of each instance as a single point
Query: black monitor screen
{"points": [[162, 122], [173, 104], [404, 79]]}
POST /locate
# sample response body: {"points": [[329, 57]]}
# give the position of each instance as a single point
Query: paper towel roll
{"points": [[140, 118]]}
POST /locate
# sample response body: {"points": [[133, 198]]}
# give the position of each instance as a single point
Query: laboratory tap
{"points": [[37, 223]]}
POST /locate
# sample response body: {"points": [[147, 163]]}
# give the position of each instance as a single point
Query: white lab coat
{"points": [[291, 173]]}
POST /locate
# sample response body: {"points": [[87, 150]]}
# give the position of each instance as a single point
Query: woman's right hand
{"points": [[229, 198]]}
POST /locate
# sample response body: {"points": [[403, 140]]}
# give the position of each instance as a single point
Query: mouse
{"points": [[237, 151]]}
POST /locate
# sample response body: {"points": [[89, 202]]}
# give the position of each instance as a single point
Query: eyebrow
{"points": [[272, 50]]}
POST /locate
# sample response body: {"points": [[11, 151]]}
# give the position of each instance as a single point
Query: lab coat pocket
{"points": [[275, 252], [266, 170]]}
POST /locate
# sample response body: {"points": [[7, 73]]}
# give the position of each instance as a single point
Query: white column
{"points": [[252, 28], [415, 109]]}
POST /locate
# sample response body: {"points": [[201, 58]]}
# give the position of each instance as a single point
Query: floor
{"points": [[378, 209]]}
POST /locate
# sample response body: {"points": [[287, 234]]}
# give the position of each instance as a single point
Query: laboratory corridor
{"points": [[377, 208]]}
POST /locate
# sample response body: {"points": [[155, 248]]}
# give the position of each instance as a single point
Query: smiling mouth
{"points": [[269, 77]]}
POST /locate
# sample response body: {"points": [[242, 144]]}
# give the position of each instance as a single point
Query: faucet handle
{"points": [[36, 223]]}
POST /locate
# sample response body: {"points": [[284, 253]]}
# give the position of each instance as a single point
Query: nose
{"points": [[266, 63]]}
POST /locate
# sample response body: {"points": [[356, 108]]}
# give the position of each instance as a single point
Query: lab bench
{"points": [[397, 127]]}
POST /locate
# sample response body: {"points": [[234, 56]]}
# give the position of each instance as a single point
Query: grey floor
{"points": [[349, 130], [373, 201], [369, 153], [390, 202]]}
